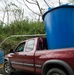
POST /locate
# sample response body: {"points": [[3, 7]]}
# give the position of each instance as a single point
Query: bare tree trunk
{"points": [[7, 10], [39, 7], [46, 3], [59, 2], [30, 9], [7, 17], [4, 15], [22, 14], [34, 2]]}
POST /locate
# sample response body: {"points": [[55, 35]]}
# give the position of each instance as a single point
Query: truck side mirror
{"points": [[11, 51]]}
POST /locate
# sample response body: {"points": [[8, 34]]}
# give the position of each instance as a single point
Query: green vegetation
{"points": [[24, 27]]}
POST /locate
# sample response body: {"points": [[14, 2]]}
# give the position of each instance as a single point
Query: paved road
{"points": [[1, 71], [16, 73]]}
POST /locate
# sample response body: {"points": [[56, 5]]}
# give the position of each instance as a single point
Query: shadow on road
{"points": [[15, 73], [18, 73]]}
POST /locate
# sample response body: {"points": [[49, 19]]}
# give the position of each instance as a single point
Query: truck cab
{"points": [[23, 56]]}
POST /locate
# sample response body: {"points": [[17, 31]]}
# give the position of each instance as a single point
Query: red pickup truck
{"points": [[33, 56]]}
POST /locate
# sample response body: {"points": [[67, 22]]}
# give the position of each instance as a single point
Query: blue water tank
{"points": [[1, 57], [59, 24]]}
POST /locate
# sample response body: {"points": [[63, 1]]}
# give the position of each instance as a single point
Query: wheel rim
{"points": [[55, 74], [7, 68]]}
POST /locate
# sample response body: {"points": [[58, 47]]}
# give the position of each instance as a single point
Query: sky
{"points": [[28, 13]]}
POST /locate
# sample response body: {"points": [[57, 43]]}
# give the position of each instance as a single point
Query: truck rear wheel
{"points": [[56, 71]]}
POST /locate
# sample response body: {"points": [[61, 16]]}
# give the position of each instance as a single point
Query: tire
{"points": [[56, 71], [7, 68]]}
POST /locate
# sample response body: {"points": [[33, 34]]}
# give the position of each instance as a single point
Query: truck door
{"points": [[29, 55], [17, 56]]}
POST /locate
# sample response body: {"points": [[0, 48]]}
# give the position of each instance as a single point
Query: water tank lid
{"points": [[51, 9]]}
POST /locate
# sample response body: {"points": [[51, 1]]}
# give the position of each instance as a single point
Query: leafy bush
{"points": [[24, 27]]}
